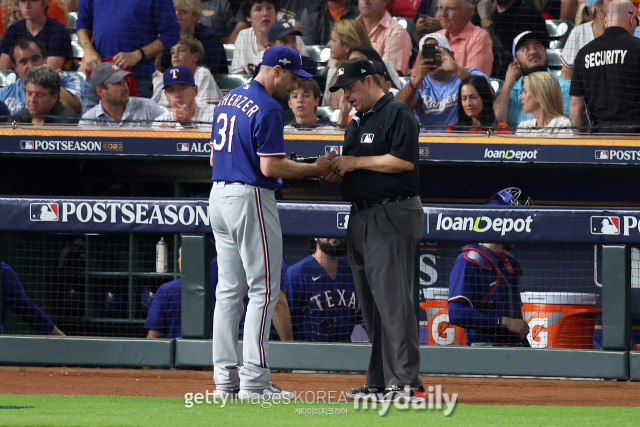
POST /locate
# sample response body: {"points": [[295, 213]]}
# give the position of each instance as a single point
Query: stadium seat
{"points": [[553, 55], [407, 24], [404, 80], [229, 48], [226, 82], [496, 84], [317, 53], [558, 32], [7, 77]]}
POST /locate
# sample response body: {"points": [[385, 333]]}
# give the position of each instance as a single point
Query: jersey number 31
{"points": [[226, 128]]}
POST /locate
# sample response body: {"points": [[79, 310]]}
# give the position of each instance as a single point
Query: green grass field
{"points": [[48, 410]]}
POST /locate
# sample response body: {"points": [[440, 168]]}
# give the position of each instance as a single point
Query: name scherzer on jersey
{"points": [[247, 113]]}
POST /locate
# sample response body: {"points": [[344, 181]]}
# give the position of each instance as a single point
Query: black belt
{"points": [[362, 204]]}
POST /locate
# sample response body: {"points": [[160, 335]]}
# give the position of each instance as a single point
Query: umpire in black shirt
{"points": [[379, 172], [605, 88]]}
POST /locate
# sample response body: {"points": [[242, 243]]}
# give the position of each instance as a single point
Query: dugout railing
{"points": [[539, 224]]}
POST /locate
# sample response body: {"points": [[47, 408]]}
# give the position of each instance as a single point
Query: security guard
{"points": [[605, 91], [379, 175]]}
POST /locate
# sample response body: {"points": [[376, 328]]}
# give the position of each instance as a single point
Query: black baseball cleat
{"points": [[366, 392], [393, 393]]}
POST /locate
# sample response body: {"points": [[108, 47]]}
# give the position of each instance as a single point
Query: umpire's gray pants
{"points": [[383, 243]]}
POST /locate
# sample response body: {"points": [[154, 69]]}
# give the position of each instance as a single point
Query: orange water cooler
{"points": [[439, 330]]}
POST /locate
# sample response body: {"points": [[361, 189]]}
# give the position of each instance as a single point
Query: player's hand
{"points": [[513, 73], [126, 59], [517, 326], [344, 164], [323, 163]]}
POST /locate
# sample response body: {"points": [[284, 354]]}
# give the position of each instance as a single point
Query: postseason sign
{"points": [[446, 223]]}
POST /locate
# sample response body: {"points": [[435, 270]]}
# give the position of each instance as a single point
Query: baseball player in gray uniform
{"points": [[247, 156]]}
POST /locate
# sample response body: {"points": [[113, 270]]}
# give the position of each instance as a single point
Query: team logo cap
{"points": [[280, 30], [285, 57], [351, 71], [107, 72], [178, 74]]}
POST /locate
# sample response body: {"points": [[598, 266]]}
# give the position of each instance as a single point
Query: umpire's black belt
{"points": [[362, 204]]}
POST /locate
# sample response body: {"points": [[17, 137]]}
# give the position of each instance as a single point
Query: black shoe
{"points": [[365, 392], [393, 393]]}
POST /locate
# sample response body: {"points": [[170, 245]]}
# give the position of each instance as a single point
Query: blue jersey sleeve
{"points": [[269, 135], [14, 298]]}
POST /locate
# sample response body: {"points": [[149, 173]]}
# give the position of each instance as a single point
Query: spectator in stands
{"points": [[128, 33], [581, 35], [530, 55], [50, 32], [303, 101], [346, 34], [317, 18], [470, 45], [368, 52], [42, 86], [180, 89], [188, 52], [483, 289], [14, 298], [386, 34], [252, 42], [541, 96], [321, 294], [426, 20], [605, 93], [217, 14], [10, 12], [510, 18], [116, 107], [475, 109], [283, 33], [189, 13], [433, 91], [26, 53]]}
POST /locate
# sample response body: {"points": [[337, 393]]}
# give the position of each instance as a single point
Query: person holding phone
{"points": [[432, 93]]}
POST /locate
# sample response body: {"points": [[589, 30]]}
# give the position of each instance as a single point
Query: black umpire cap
{"points": [[352, 70]]}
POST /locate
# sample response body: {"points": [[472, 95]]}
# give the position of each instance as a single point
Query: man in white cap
{"points": [[529, 55], [432, 93], [116, 107], [181, 91]]}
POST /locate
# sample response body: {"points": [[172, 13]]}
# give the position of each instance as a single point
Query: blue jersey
{"points": [[483, 288], [322, 309], [14, 298], [165, 313], [248, 124]]}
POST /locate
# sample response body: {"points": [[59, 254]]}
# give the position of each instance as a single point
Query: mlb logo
{"points": [[366, 138], [183, 146], [330, 148], [343, 220], [608, 225], [602, 154], [43, 211], [26, 145]]}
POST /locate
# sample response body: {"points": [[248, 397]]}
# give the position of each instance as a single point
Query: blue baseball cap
{"points": [[281, 29], [178, 74], [509, 196], [285, 57]]}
